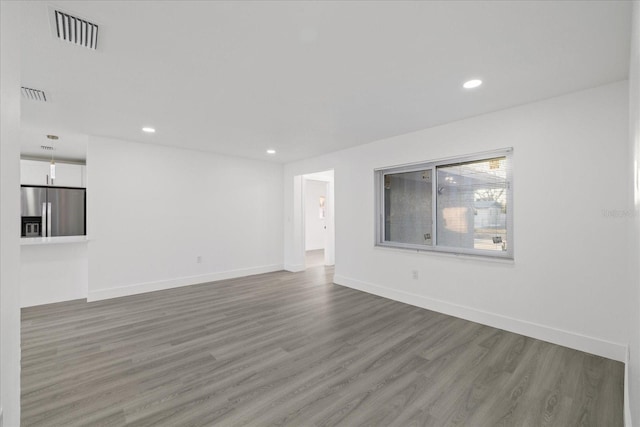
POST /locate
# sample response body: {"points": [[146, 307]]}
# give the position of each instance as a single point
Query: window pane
{"points": [[408, 207], [472, 205]]}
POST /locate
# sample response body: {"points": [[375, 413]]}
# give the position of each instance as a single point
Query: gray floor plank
{"points": [[294, 349]]}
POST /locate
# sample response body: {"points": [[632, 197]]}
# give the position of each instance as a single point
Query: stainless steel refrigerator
{"points": [[53, 211]]}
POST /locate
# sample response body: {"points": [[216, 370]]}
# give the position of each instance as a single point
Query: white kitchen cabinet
{"points": [[35, 172], [68, 175]]}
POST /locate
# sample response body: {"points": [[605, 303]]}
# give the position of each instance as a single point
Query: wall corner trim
{"points": [[599, 347], [627, 403], [140, 288]]}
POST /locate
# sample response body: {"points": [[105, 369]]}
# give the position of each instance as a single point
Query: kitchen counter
{"points": [[25, 241], [53, 269]]}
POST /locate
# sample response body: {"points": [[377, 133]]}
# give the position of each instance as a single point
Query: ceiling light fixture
{"points": [[52, 165], [472, 83], [271, 151], [148, 130]]}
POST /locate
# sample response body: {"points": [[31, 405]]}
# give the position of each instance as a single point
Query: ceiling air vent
{"points": [[75, 30], [33, 94]]}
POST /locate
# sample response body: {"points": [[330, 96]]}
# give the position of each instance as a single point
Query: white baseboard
{"points": [[139, 288], [608, 349], [294, 268], [31, 302]]}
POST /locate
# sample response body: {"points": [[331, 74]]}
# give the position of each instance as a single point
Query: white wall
{"points": [[53, 273], [314, 234], [153, 210], [634, 143], [569, 278], [10, 213]]}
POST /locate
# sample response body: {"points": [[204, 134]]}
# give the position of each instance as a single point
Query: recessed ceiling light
{"points": [[472, 83], [271, 151], [148, 130]]}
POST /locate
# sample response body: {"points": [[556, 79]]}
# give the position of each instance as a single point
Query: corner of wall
{"points": [[627, 403], [10, 211], [632, 368]]}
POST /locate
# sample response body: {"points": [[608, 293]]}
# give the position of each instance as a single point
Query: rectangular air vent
{"points": [[33, 94], [76, 30]]}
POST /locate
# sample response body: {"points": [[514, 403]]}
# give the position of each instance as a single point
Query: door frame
{"points": [[299, 226]]}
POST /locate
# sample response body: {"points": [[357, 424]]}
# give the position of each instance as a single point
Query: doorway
{"points": [[318, 219], [315, 218]]}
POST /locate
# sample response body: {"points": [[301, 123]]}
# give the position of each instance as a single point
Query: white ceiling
{"points": [[308, 78], [70, 146]]}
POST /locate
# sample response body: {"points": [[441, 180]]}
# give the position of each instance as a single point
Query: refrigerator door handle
{"points": [[49, 219], [43, 229]]}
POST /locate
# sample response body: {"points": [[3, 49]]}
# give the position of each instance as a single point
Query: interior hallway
{"points": [[314, 258]]}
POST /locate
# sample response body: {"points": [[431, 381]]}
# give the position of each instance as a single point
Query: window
{"points": [[461, 205]]}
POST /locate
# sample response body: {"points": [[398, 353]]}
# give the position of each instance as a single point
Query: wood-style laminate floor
{"points": [[295, 349]]}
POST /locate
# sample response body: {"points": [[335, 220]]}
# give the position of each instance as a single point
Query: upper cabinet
{"points": [[34, 172]]}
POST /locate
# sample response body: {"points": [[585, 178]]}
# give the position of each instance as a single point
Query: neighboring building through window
{"points": [[461, 205]]}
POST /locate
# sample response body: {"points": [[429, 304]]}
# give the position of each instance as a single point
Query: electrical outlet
{"points": [[199, 259], [414, 274]]}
